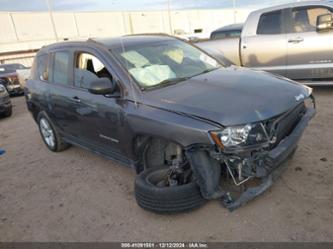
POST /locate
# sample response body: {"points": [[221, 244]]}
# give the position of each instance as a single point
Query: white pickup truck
{"points": [[293, 40]]}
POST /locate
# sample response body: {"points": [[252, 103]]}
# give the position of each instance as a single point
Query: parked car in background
{"points": [[173, 113], [292, 40], [23, 76], [230, 31], [5, 103], [9, 78]]}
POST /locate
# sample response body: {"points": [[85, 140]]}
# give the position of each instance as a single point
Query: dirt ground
{"points": [[79, 196]]}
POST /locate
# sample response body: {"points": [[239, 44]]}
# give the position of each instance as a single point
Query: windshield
{"points": [[155, 64], [11, 68]]}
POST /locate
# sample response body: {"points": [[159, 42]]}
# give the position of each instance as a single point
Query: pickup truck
{"points": [[229, 31], [293, 40]]}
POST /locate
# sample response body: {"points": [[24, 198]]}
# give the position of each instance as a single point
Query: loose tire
{"points": [[50, 135], [165, 199]]}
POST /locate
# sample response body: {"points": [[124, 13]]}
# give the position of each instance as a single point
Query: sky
{"points": [[98, 5]]}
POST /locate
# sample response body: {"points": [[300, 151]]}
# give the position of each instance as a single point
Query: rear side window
{"points": [[40, 68], [270, 23], [225, 34], [60, 68]]}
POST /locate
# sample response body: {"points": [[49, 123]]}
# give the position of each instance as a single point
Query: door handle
{"points": [[76, 99], [296, 40]]}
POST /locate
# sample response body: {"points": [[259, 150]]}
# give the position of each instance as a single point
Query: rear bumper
{"points": [[278, 156]]}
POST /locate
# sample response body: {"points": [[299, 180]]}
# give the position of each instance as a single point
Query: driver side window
{"points": [[87, 69]]}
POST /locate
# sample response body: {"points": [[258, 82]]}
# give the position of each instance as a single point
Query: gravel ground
{"points": [[79, 196]]}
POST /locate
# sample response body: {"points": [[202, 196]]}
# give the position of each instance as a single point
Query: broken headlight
{"points": [[245, 135]]}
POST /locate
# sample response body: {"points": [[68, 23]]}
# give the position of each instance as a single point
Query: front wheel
{"points": [[50, 135], [152, 192]]}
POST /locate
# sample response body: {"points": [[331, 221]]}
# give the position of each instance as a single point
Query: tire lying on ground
{"points": [[165, 199]]}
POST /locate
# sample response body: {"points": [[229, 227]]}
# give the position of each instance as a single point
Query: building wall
{"points": [[28, 31]]}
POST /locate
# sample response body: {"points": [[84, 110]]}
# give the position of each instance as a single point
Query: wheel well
{"points": [[157, 152]]}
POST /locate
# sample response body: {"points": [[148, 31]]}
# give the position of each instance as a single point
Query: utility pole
{"points": [[169, 17], [52, 20], [234, 8]]}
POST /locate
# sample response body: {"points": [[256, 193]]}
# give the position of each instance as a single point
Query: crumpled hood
{"points": [[230, 96]]}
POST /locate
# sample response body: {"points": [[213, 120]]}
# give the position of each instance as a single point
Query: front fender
{"points": [[175, 127]]}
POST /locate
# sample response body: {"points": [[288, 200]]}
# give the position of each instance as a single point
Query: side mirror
{"points": [[324, 23], [102, 86]]}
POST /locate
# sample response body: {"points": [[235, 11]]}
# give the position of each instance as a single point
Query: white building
{"points": [[23, 33]]}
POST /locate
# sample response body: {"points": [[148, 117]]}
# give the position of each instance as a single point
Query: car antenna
{"points": [[130, 78]]}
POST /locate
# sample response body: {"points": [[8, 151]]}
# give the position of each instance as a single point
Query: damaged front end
{"points": [[252, 153]]}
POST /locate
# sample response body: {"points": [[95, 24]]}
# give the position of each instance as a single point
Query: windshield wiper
{"points": [[206, 71], [167, 82], [173, 81]]}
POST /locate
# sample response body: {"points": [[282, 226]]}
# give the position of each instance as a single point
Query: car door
{"points": [[309, 52], [267, 49], [60, 91], [100, 117]]}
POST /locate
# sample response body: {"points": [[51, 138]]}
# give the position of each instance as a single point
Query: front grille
{"points": [[282, 126]]}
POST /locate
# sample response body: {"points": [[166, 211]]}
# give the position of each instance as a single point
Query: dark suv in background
{"points": [[5, 103], [183, 121]]}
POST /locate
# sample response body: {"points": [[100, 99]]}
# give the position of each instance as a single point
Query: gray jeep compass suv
{"points": [[190, 127]]}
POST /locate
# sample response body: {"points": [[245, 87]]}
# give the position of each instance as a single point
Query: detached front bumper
{"points": [[278, 156], [207, 167]]}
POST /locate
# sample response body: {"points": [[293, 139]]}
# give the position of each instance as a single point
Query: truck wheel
{"points": [[50, 135], [152, 194]]}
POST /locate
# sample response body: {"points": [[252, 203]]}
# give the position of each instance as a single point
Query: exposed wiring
{"points": [[233, 177]]}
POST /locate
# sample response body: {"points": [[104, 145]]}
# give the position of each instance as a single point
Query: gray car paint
{"points": [[183, 113], [229, 97]]}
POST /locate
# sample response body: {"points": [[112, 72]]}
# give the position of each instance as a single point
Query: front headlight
{"points": [[232, 136], [244, 135]]}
